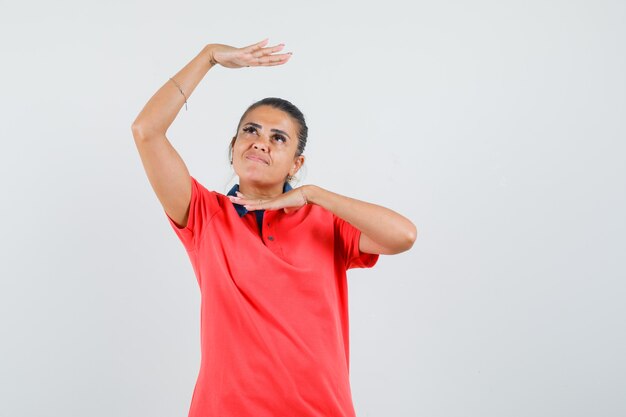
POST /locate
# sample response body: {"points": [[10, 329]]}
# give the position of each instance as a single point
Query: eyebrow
{"points": [[273, 130]]}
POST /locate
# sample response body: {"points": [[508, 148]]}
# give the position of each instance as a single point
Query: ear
{"points": [[230, 149], [297, 164]]}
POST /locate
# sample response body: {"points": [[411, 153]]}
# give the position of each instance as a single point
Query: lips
{"points": [[258, 158]]}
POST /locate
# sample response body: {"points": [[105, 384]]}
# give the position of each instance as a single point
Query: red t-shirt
{"points": [[274, 311]]}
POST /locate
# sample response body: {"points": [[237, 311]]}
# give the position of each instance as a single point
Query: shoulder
{"points": [[204, 191]]}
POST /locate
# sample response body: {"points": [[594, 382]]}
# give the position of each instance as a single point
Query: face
{"points": [[265, 147]]}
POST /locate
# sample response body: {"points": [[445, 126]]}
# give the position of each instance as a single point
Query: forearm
{"points": [[161, 110], [382, 225]]}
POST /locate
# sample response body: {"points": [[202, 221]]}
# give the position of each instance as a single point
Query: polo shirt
{"points": [[274, 331]]}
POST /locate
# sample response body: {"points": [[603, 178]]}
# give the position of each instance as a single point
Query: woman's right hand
{"points": [[248, 56]]}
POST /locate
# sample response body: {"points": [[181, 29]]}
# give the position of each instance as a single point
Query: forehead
{"points": [[271, 118]]}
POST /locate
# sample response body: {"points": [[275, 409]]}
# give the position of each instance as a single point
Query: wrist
{"points": [[207, 52], [311, 193]]}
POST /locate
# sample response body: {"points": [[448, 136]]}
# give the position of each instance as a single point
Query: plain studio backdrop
{"points": [[497, 127]]}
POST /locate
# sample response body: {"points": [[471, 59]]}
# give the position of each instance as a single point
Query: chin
{"points": [[258, 180], [253, 178], [256, 176]]}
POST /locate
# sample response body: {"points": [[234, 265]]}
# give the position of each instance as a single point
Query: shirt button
{"points": [[270, 237]]}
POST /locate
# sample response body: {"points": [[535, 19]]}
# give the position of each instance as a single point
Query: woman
{"points": [[270, 259]]}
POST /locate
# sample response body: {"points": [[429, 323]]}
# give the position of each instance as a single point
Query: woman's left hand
{"points": [[290, 201]]}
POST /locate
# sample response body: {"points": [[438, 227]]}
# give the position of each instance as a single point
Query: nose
{"points": [[260, 144]]}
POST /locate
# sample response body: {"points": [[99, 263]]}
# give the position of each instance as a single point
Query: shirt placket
{"points": [[269, 233]]}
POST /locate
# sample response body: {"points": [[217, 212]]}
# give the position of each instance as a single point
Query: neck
{"points": [[263, 192]]}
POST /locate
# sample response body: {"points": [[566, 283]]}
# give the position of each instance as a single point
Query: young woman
{"points": [[270, 259]]}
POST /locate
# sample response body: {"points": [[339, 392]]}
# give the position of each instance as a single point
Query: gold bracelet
{"points": [[181, 92]]}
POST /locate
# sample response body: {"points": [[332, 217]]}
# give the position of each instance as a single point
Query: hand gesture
{"points": [[253, 55], [290, 201]]}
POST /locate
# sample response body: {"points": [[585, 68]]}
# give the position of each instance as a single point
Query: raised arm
{"points": [[166, 170]]}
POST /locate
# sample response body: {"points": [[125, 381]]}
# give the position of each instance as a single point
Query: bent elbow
{"points": [[412, 234], [139, 131], [404, 244], [143, 130], [410, 238]]}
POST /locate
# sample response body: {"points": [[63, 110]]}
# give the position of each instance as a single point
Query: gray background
{"points": [[498, 128]]}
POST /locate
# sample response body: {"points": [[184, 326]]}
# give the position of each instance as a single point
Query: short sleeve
{"points": [[347, 243], [202, 207]]}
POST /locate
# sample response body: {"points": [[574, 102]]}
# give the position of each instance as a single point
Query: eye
{"points": [[252, 129]]}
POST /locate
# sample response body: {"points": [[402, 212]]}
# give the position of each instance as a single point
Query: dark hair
{"points": [[287, 107]]}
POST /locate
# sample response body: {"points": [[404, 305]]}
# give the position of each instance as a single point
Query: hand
{"points": [[253, 55], [290, 201]]}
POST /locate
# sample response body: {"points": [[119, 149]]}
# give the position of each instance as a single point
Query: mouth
{"points": [[257, 159]]}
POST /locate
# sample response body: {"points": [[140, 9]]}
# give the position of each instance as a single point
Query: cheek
{"points": [[238, 147]]}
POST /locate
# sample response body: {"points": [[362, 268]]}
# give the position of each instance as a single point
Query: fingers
{"points": [[250, 205], [257, 45], [280, 62], [269, 50], [264, 56], [274, 59], [285, 202]]}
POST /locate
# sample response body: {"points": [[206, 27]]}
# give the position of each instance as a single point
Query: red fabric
{"points": [[274, 312]]}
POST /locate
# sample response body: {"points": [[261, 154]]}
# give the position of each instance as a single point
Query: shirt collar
{"points": [[241, 210]]}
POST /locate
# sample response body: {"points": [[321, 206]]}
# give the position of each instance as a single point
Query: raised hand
{"points": [[248, 56], [290, 201]]}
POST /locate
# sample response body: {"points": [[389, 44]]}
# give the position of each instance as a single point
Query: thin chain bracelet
{"points": [[181, 92]]}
